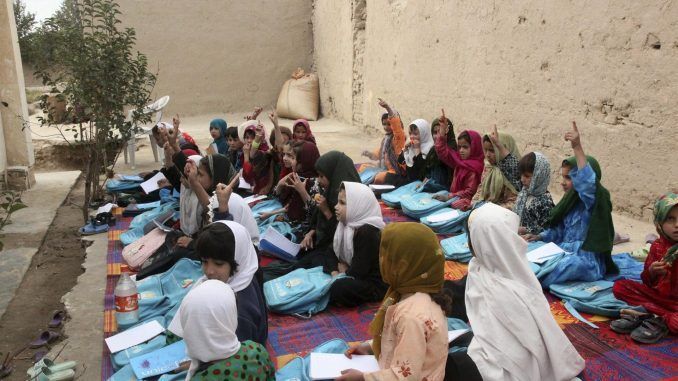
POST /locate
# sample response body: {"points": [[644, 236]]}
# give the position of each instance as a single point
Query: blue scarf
{"points": [[222, 142]]}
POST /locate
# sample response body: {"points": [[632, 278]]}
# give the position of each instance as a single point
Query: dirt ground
{"points": [[53, 272]]}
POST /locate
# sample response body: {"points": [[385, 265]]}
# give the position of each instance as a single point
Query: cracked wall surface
{"points": [[531, 67]]}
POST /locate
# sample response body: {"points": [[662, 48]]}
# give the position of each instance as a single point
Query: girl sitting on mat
{"points": [[208, 315], [494, 186], [227, 254], [410, 329], [356, 245], [530, 176], [467, 162], [391, 146], [278, 139], [440, 175], [515, 334], [413, 158], [659, 291], [218, 131], [581, 223]]}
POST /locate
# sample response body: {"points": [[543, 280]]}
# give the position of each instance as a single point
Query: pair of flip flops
{"points": [[49, 336], [646, 329], [48, 370]]}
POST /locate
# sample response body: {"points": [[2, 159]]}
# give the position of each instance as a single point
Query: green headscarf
{"points": [[662, 207], [600, 234], [411, 260], [495, 181]]}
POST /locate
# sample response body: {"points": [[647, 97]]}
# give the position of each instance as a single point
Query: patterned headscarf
{"points": [[541, 177], [662, 207], [495, 181], [411, 261]]}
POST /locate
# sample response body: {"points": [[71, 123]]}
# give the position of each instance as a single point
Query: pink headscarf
{"points": [[474, 163], [309, 135]]}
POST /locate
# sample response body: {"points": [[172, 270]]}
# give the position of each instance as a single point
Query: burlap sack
{"points": [[299, 97]]}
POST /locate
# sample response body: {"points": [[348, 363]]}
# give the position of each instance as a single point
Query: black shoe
{"points": [[627, 323], [650, 331]]}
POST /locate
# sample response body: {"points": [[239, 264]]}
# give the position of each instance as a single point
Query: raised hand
{"points": [[494, 135], [572, 136], [224, 193], [274, 118], [443, 128], [191, 171], [176, 121]]}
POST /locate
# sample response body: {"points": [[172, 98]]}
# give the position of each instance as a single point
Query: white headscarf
{"points": [[361, 208], [516, 337], [190, 210], [242, 214], [209, 316], [425, 141], [248, 264]]}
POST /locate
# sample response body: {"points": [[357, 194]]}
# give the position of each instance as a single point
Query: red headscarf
{"points": [[305, 168], [309, 135], [474, 163]]}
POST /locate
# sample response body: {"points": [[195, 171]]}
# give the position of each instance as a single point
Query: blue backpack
{"points": [[451, 226], [265, 206], [420, 205], [368, 174], [590, 297], [299, 367], [456, 248], [392, 198], [117, 186], [302, 292]]}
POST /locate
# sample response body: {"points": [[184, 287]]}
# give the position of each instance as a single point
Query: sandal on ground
{"points": [[627, 323], [650, 331], [46, 337], [51, 365], [48, 375], [57, 320], [105, 218], [93, 227]]}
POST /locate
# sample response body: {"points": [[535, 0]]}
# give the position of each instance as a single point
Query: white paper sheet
{"points": [[254, 198], [381, 187], [451, 335], [280, 241], [446, 216], [244, 184], [544, 253], [326, 366], [152, 184], [134, 336], [106, 208]]}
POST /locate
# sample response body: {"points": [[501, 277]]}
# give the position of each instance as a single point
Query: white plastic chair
{"points": [[131, 145]]}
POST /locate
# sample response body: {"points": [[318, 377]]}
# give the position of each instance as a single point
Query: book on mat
{"points": [[152, 184], [328, 366], [544, 253], [134, 336], [276, 244], [160, 361]]}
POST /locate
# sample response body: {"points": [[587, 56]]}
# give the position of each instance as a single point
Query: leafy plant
{"points": [[25, 28], [11, 202], [96, 71]]}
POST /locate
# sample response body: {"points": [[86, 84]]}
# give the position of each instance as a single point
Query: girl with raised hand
{"points": [[410, 329], [467, 161], [494, 186], [356, 245], [581, 223], [515, 334], [209, 317]]}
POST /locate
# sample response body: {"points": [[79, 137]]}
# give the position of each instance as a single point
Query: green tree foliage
{"points": [[95, 68], [25, 28]]}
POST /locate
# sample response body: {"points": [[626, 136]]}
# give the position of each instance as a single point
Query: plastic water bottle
{"points": [[126, 301]]}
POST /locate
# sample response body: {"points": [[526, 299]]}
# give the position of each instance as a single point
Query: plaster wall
{"points": [[216, 56], [531, 67]]}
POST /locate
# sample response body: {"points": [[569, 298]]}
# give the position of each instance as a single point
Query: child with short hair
{"points": [[208, 315], [234, 153], [494, 186], [581, 223], [467, 161], [530, 176], [658, 293], [391, 146]]}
